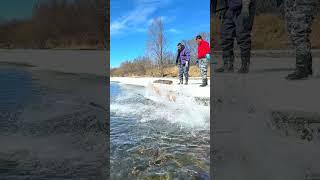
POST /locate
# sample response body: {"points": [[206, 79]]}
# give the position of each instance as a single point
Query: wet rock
{"points": [[163, 81], [154, 153], [158, 177], [161, 159], [7, 165], [251, 109], [301, 124], [158, 161], [137, 170], [233, 101], [141, 150], [202, 101], [307, 134]]}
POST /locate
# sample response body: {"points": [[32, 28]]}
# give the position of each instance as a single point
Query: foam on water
{"points": [[149, 105]]}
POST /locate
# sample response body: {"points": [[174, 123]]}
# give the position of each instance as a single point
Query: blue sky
{"points": [[15, 9], [183, 19]]}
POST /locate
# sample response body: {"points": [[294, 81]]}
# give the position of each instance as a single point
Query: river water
{"points": [[48, 129], [152, 138]]}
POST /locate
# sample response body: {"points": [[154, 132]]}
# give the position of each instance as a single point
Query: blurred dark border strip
{"points": [[213, 5], [107, 60]]}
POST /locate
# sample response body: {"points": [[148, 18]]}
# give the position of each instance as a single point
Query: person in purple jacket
{"points": [[183, 59]]}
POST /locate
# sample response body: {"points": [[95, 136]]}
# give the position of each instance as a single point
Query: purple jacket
{"points": [[235, 4], [184, 55]]}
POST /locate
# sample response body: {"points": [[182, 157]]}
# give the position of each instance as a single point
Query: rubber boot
{"points": [[245, 63], [204, 83], [186, 83], [302, 70], [226, 67], [299, 73], [310, 69], [310, 65], [180, 82]]}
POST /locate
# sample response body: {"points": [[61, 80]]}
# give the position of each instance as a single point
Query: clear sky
{"points": [[183, 19], [15, 9]]}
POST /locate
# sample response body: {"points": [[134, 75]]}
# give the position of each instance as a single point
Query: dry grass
{"points": [[270, 32], [315, 36], [173, 71]]}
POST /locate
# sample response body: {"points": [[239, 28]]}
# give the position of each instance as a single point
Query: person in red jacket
{"points": [[203, 53]]}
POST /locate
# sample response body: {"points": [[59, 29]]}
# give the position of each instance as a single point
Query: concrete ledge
{"points": [[251, 147]]}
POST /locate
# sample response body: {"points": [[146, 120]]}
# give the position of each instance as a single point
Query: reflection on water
{"points": [[154, 139], [16, 88], [48, 130]]}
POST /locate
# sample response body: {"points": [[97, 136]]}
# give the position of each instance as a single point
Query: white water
{"points": [[150, 106]]}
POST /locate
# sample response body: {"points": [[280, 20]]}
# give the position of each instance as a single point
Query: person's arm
{"points": [[177, 59], [207, 48], [188, 55]]}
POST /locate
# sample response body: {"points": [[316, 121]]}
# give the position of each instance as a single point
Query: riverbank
{"points": [[66, 61], [259, 122], [170, 71], [192, 89]]}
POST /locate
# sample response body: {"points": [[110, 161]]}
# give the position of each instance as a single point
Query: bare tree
{"points": [[205, 36], [156, 43], [138, 67], [58, 23], [170, 58]]}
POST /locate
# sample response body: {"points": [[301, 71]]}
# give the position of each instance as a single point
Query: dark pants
{"points": [[183, 71], [299, 15], [234, 27]]}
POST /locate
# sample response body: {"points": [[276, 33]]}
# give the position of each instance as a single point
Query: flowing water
{"points": [[48, 130], [154, 138]]}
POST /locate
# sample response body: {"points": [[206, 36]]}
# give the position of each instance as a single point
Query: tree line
{"points": [[159, 57], [58, 24], [274, 7]]}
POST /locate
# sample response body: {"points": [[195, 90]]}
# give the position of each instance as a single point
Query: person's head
{"points": [[198, 38], [180, 46]]}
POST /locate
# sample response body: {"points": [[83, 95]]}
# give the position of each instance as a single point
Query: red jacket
{"points": [[203, 49]]}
